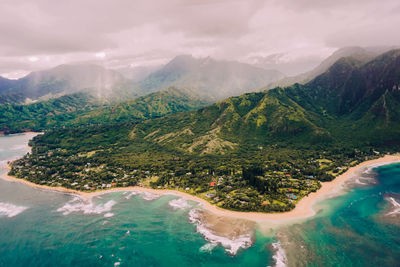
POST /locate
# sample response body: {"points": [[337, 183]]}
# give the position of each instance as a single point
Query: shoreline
{"points": [[304, 208]]}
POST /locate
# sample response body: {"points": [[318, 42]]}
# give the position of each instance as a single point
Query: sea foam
{"points": [[207, 247], [366, 176], [395, 207], [179, 203], [87, 207], [279, 256], [231, 245], [11, 210], [149, 196]]}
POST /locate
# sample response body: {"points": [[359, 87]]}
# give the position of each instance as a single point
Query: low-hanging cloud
{"points": [[138, 32]]}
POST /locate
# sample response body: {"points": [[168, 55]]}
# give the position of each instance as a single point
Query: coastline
{"points": [[304, 208]]}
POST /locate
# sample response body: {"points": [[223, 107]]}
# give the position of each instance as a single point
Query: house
{"points": [[212, 184]]}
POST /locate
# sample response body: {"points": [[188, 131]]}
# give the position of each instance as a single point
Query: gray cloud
{"points": [[153, 31]]}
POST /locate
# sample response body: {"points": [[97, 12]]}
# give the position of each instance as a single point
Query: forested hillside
{"points": [[84, 109]]}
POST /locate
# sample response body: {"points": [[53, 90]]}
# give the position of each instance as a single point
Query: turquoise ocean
{"points": [[45, 228]]}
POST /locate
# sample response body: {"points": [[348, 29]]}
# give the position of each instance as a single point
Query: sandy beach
{"points": [[303, 209]]}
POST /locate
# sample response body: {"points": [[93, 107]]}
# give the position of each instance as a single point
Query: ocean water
{"points": [[359, 228], [44, 228]]}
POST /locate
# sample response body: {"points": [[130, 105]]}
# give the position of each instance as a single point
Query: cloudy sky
{"points": [[115, 33]]}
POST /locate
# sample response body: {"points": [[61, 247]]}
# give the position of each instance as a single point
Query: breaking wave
{"points": [[77, 204], [144, 195], [179, 203], [128, 195], [11, 210], [232, 246]]}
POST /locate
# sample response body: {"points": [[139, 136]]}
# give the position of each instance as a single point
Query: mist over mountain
{"points": [[284, 63], [208, 77], [363, 54], [139, 72], [58, 81], [204, 78]]}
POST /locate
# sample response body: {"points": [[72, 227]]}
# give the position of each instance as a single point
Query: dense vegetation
{"points": [[98, 157], [84, 109], [256, 152]]}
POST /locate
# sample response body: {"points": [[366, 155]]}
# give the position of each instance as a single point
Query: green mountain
{"points": [[158, 104], [255, 152], [234, 124], [363, 54], [84, 109], [352, 103]]}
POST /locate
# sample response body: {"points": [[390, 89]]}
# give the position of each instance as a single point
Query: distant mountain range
{"points": [[359, 92], [209, 78]]}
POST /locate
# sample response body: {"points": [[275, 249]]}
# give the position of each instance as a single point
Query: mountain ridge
{"points": [[363, 54]]}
